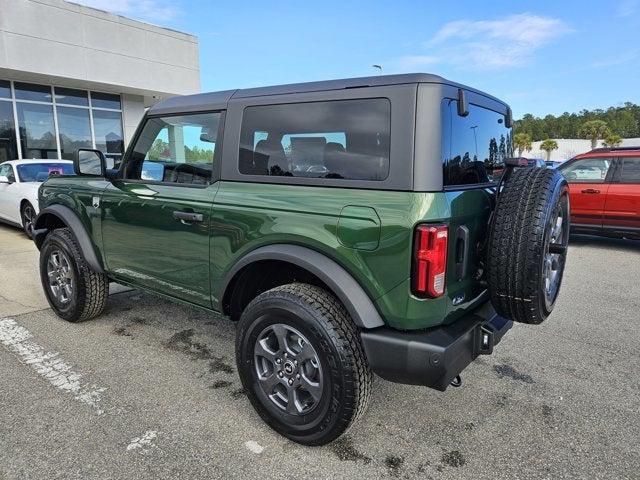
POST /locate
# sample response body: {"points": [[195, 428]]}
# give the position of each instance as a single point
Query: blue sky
{"points": [[540, 56]]}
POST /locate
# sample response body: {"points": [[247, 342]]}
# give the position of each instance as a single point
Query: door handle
{"points": [[188, 217], [590, 190]]}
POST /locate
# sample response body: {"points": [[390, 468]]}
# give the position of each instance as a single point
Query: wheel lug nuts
{"points": [[291, 381], [295, 362], [278, 361], [286, 355], [280, 374], [298, 376]]}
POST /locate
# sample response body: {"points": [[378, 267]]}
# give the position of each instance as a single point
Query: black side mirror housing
{"points": [[90, 162], [463, 104]]}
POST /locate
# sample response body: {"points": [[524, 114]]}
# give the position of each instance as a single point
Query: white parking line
{"points": [[143, 443], [49, 365]]}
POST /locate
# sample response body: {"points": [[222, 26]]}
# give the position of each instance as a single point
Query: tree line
{"points": [[610, 125], [623, 121]]}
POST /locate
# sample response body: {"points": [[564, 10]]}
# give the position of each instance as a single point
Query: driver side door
{"points": [[588, 180], [156, 215]]}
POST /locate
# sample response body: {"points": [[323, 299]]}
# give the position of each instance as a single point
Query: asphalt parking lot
{"points": [[150, 390]]}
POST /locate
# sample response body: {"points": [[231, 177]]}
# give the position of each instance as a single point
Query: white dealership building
{"points": [[73, 76]]}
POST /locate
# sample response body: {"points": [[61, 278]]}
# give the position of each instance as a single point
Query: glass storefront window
{"points": [[34, 93], [107, 127], [74, 130], [5, 89], [8, 148], [105, 100], [71, 96], [37, 137], [38, 116]]}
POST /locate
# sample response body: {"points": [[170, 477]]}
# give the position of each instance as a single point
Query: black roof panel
{"points": [[219, 100]]}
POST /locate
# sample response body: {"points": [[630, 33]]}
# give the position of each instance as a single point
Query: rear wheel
{"points": [[528, 242], [28, 216], [301, 362], [74, 291]]}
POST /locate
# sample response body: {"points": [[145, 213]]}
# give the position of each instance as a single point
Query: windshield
{"points": [[39, 172]]}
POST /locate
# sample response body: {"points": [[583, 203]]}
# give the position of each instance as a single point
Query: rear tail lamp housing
{"points": [[429, 260]]}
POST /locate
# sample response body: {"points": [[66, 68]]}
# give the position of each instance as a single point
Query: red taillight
{"points": [[430, 259]]}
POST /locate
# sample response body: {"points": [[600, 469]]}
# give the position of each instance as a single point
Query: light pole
{"points": [[475, 138], [379, 67]]}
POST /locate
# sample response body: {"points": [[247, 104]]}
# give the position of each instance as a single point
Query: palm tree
{"points": [[594, 130], [548, 146], [522, 141], [612, 140]]}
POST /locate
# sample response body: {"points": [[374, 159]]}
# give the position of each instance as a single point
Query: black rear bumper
{"points": [[434, 357]]}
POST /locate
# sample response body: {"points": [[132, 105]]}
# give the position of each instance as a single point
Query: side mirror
{"points": [[4, 179], [89, 162]]}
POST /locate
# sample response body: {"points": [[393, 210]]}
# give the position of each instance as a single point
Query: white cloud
{"points": [[154, 10], [487, 44], [626, 8]]}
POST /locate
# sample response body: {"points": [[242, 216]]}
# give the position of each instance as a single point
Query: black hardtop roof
{"points": [[218, 100]]}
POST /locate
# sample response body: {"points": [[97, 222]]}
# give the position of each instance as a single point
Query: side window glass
{"points": [[342, 139], [175, 149], [588, 170], [474, 147], [630, 170]]}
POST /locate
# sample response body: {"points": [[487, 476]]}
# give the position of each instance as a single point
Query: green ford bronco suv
{"points": [[349, 227]]}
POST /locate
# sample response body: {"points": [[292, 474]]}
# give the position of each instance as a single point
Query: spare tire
{"points": [[527, 244]]}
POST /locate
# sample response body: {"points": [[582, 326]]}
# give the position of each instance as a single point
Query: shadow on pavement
{"points": [[605, 243]]}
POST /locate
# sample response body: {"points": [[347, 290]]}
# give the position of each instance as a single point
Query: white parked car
{"points": [[19, 182]]}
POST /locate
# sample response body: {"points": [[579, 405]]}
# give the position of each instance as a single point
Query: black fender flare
{"points": [[71, 220], [342, 284]]}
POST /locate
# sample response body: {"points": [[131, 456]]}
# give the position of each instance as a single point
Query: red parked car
{"points": [[604, 187]]}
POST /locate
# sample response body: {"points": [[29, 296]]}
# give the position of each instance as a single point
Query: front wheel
{"points": [[74, 291], [28, 216], [302, 364]]}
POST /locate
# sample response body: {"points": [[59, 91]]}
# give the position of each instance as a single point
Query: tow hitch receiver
{"points": [[485, 339]]}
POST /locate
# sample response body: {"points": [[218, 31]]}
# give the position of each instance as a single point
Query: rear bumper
{"points": [[434, 357]]}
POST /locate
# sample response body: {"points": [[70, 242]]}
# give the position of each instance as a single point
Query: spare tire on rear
{"points": [[527, 245]]}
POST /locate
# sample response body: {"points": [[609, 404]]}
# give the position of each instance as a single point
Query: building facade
{"points": [[570, 147], [76, 77]]}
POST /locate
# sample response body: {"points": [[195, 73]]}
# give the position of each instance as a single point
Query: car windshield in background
{"points": [[474, 147], [39, 172]]}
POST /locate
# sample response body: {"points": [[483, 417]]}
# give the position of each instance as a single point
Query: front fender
{"points": [[55, 215]]}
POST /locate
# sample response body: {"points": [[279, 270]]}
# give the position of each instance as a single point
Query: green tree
{"points": [[622, 120], [612, 140], [594, 130], [522, 142], [548, 146]]}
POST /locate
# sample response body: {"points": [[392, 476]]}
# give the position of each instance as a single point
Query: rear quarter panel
{"points": [[247, 216]]}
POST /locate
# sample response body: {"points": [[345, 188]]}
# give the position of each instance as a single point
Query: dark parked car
{"points": [[349, 226]]}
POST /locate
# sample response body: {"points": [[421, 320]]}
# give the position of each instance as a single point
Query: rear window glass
{"points": [[345, 139], [39, 172], [474, 147]]}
